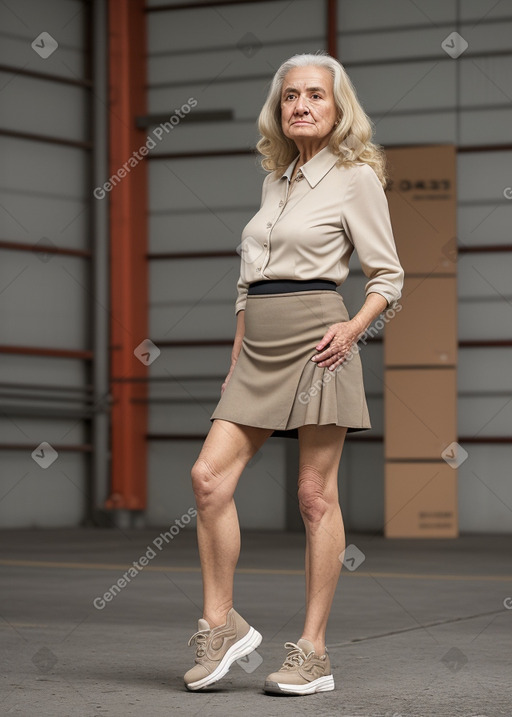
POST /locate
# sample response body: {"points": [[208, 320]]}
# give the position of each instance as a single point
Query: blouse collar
{"points": [[315, 168]]}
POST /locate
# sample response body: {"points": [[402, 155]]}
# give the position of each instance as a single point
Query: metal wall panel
{"points": [[45, 297]]}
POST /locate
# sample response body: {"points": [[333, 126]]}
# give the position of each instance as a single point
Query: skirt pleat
{"points": [[275, 384]]}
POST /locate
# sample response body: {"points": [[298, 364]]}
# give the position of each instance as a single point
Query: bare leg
{"points": [[226, 451], [320, 450]]}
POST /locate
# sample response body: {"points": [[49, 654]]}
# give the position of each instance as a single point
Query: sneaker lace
{"points": [[200, 638], [295, 657]]}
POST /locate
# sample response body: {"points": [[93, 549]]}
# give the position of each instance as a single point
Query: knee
{"points": [[205, 484], [313, 502]]}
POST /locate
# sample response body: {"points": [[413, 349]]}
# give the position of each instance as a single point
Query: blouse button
{"points": [[269, 224], [265, 244], [281, 203]]}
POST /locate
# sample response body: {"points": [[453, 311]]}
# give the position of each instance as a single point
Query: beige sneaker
{"points": [[302, 673], [217, 648]]}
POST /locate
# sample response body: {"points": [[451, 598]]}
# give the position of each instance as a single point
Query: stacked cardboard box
{"points": [[420, 348]]}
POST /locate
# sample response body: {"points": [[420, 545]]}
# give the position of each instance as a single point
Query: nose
{"points": [[301, 106]]}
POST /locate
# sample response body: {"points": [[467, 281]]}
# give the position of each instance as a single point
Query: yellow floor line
{"points": [[246, 571]]}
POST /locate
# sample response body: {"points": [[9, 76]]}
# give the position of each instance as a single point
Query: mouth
{"points": [[301, 122]]}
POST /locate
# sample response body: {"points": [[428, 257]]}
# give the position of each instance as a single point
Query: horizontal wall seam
{"points": [[47, 139], [46, 76]]}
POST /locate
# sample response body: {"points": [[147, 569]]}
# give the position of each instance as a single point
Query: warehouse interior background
{"points": [[89, 273]]}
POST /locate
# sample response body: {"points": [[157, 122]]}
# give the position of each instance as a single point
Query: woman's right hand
{"points": [[227, 378]]}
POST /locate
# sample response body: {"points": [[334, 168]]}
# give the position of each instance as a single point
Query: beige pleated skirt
{"points": [[275, 384]]}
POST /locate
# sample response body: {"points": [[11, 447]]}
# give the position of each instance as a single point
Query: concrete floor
{"points": [[420, 627]]}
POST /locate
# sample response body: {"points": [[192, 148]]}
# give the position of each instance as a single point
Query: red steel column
{"points": [[332, 28], [128, 249]]}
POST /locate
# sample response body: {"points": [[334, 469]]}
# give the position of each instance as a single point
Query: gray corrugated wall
{"points": [[225, 57], [416, 94], [44, 298]]}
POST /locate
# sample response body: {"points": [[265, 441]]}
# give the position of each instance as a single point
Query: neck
{"points": [[309, 149]]}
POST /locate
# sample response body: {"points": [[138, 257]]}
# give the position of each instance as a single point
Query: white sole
{"points": [[243, 647], [322, 684]]}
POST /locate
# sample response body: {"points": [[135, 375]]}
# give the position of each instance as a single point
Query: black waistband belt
{"points": [[280, 286]]}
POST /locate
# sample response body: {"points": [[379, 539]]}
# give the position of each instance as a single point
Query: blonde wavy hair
{"points": [[351, 139]]}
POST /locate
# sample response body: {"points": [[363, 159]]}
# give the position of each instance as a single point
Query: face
{"points": [[307, 104]]}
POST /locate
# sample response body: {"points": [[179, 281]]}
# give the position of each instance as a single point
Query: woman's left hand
{"points": [[340, 338]]}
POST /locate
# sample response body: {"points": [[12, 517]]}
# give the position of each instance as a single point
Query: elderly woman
{"points": [[295, 371]]}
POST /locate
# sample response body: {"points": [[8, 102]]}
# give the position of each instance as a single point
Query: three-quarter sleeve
{"points": [[367, 224], [242, 285]]}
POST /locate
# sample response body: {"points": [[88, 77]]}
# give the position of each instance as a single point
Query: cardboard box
{"points": [[420, 412], [424, 331], [420, 500], [422, 204]]}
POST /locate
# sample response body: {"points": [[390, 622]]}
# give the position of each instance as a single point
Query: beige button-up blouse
{"points": [[308, 228]]}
